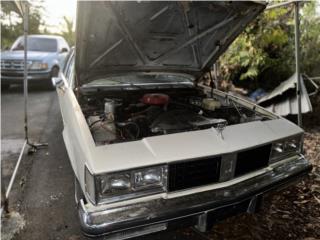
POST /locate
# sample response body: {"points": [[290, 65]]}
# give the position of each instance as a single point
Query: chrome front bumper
{"points": [[16, 77], [156, 215]]}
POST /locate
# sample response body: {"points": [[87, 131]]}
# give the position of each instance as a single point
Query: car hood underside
{"points": [[117, 37]]}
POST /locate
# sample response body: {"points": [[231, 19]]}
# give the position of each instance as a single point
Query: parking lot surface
{"points": [[43, 190]]}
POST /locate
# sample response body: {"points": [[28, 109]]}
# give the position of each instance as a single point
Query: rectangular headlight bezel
{"points": [[133, 191], [281, 148], [90, 188], [38, 65]]}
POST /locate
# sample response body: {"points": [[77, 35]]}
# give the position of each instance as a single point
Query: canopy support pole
{"points": [[297, 55], [33, 146], [23, 7], [25, 69]]}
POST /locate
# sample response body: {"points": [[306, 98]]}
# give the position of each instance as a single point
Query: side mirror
{"points": [[57, 82], [64, 50]]}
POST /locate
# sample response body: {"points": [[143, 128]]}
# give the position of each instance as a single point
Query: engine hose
{"points": [[125, 124]]}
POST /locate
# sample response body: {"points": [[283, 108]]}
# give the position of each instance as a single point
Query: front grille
{"points": [[194, 173], [13, 64], [12, 74], [252, 160]]}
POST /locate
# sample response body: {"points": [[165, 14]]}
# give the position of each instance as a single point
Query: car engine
{"points": [[150, 114]]}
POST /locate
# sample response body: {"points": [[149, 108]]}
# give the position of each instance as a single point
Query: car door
{"points": [[63, 90]]}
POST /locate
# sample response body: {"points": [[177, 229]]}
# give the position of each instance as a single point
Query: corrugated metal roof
{"points": [[282, 88], [288, 105]]}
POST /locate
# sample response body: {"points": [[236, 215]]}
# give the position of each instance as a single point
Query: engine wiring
{"points": [[125, 118]]}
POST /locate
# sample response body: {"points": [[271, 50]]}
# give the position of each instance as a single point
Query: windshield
{"points": [[141, 79], [36, 44]]}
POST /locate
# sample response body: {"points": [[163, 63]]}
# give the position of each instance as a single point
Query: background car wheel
{"points": [[5, 86], [54, 73]]}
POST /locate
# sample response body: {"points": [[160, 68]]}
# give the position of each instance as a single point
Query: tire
{"points": [[5, 87], [54, 73]]}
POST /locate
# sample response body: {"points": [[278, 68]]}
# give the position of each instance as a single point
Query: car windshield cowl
{"points": [[140, 80]]}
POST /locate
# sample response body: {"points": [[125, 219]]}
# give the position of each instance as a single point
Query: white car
{"points": [[152, 148]]}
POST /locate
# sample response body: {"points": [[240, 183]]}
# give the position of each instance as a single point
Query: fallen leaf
{"points": [[318, 200]]}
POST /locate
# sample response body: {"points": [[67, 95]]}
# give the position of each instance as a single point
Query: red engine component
{"points": [[155, 99]]}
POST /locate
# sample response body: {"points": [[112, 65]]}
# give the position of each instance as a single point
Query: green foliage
{"points": [[12, 21], [263, 55], [11, 24], [310, 40], [69, 34]]}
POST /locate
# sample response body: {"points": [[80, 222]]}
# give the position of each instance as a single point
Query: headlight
{"points": [[285, 148], [38, 66], [113, 187], [148, 177]]}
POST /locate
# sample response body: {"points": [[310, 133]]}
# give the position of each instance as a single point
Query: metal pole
{"points": [[15, 170], [282, 4], [297, 55], [24, 9], [5, 193], [34, 146], [25, 70]]}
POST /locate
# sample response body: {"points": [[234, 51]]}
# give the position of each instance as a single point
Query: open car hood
{"points": [[186, 37]]}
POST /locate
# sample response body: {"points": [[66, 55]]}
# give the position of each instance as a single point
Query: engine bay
{"points": [[115, 117]]}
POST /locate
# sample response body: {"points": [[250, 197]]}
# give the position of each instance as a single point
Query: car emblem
{"points": [[220, 127]]}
